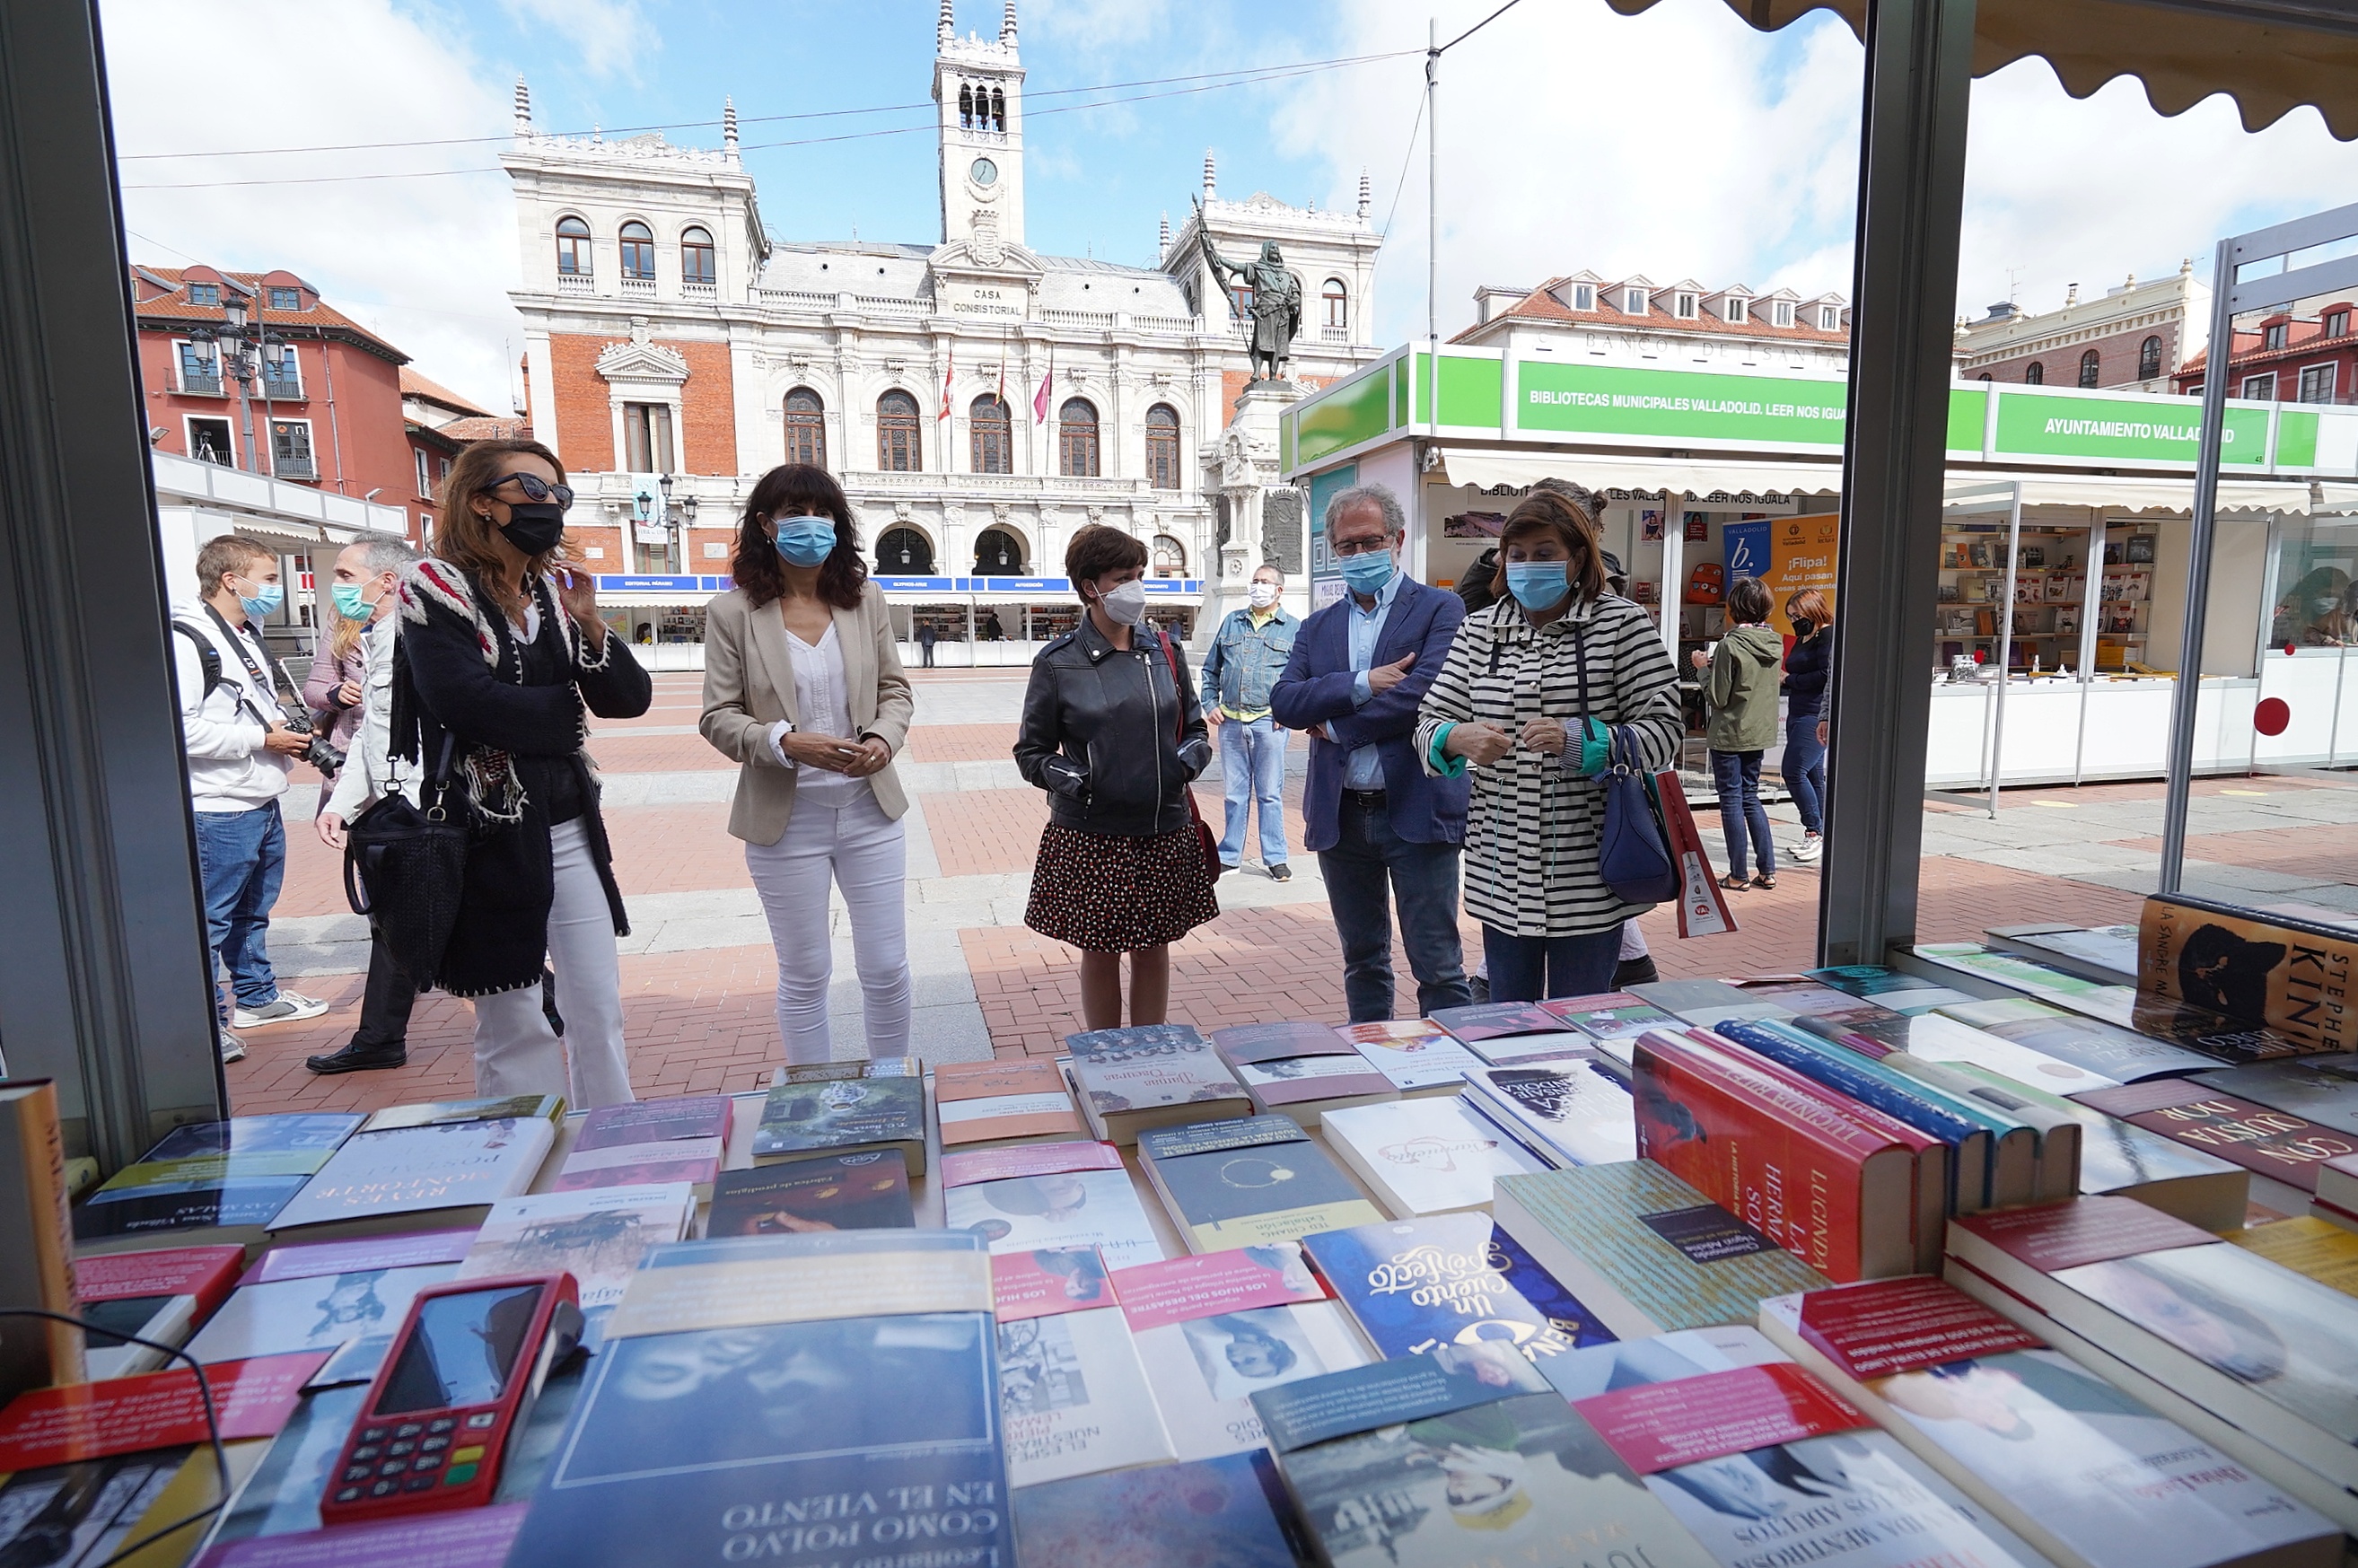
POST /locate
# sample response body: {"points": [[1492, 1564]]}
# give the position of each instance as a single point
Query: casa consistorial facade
{"points": [[671, 333]]}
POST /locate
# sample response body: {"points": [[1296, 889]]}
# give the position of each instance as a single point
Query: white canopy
{"points": [[1986, 491]]}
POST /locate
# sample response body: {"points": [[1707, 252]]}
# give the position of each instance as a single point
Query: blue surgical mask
{"points": [[1538, 585], [269, 599], [348, 602], [1368, 571], [805, 541]]}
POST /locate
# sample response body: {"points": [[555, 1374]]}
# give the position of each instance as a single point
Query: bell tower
{"points": [[978, 85]]}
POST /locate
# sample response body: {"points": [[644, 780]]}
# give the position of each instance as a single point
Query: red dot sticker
{"points": [[2272, 716]]}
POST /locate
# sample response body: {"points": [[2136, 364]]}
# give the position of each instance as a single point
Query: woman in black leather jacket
{"points": [[1113, 732]]}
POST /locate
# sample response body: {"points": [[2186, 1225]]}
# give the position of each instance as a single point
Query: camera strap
{"points": [[273, 680]]}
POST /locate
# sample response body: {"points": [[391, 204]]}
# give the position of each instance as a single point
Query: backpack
{"points": [[207, 657]]}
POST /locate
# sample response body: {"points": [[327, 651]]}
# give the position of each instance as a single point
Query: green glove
{"points": [[1596, 749]]}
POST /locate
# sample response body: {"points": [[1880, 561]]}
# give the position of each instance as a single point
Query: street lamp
{"points": [[241, 341]]}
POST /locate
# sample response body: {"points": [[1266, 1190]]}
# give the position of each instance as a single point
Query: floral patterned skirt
{"points": [[1106, 895]]}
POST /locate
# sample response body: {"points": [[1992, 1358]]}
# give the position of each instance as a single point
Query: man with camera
{"points": [[241, 742]]}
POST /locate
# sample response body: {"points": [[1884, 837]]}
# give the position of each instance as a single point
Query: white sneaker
{"points": [[233, 1049], [286, 1007], [1810, 847]]}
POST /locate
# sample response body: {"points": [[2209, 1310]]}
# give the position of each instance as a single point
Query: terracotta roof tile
{"points": [[175, 306], [415, 385]]}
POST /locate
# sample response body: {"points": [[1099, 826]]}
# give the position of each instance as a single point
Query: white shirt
{"points": [[229, 768], [825, 704]]}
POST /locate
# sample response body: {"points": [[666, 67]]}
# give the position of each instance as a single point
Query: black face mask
{"points": [[533, 526]]}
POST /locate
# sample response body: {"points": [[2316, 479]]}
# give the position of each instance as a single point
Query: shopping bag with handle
{"points": [[1703, 908]]}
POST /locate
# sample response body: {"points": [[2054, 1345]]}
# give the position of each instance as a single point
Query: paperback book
{"points": [[2275, 1145], [1229, 1511], [1071, 1388], [1506, 1032], [2322, 1090], [1425, 1156], [322, 1313], [2319, 1249], [2118, 1053], [1417, 1055], [412, 1178], [1156, 1075], [980, 1104], [868, 1110], [1894, 988], [1573, 1112], [547, 1108], [1709, 1002], [598, 1237], [1040, 1195], [1415, 1285], [162, 1296], [1611, 1015], [1930, 1037], [229, 1178], [826, 1191], [1260, 1178], [1301, 1069], [679, 1137]]}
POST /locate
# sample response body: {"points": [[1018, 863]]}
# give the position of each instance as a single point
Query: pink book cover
{"points": [[464, 1538], [204, 1272], [1182, 1289], [1661, 1426], [1883, 1327], [309, 1259], [1047, 1281], [1027, 1160], [2065, 1235]]}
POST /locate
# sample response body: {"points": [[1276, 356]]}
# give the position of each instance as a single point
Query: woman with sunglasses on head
{"points": [[804, 689], [501, 651]]}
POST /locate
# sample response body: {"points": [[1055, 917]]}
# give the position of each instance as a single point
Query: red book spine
{"points": [[1786, 1164], [2260, 1138]]}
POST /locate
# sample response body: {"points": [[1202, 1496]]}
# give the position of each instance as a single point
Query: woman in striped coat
{"points": [[1555, 646]]}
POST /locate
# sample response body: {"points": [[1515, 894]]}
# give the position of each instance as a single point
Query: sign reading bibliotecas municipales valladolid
{"points": [[1542, 399]]}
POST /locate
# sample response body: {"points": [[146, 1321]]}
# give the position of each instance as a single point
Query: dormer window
{"points": [[1583, 296], [1735, 309], [2337, 323], [2273, 337], [208, 293], [1780, 314], [284, 298], [1633, 301], [1829, 317], [1685, 308]]}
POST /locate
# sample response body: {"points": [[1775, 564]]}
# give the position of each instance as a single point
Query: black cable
{"points": [[1478, 27], [213, 1422]]}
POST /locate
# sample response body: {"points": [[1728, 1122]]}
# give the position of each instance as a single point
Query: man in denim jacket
{"points": [[1249, 653]]}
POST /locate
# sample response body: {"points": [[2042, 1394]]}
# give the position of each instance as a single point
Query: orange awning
{"points": [[2270, 56]]}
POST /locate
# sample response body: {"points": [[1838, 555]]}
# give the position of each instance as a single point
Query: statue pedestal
{"points": [[1247, 472]]}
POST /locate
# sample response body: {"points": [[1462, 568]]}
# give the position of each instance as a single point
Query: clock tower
{"points": [[978, 85]]}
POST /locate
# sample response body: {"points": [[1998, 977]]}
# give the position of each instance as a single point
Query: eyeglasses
{"points": [[1362, 546], [535, 488]]}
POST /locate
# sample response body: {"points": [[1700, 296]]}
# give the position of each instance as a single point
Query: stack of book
{"points": [[843, 1108], [1302, 1070], [1159, 1075]]}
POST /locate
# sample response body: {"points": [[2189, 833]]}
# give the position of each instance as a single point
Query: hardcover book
{"points": [[1643, 1250], [1071, 1388], [2276, 1144], [799, 1398], [162, 1295], [803, 1117], [1157, 1074], [1215, 1328], [36, 1262], [1572, 1110], [1894, 988], [1415, 1285], [2084, 1473], [1069, 1201], [1407, 1465], [324, 1313], [2119, 1053], [983, 1103], [1424, 1156], [1231, 1511], [679, 1137], [1930, 1037], [412, 1178], [1836, 1192], [1503, 1032], [1232, 1184], [1301, 1069], [229, 1177], [827, 1191], [1418, 1056], [1729, 1433]]}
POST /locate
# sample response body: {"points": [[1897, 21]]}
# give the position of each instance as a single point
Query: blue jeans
{"points": [[243, 857], [1805, 769], [1529, 968], [1252, 768], [1738, 775], [1423, 879]]}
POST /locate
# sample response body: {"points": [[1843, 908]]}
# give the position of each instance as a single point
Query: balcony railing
{"points": [[1333, 334], [199, 385], [639, 287], [573, 283], [294, 468], [285, 389], [700, 290]]}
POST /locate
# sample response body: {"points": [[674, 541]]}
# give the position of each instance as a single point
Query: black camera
{"points": [[320, 753]]}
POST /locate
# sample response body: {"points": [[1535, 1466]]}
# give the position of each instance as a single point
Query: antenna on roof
{"points": [[2013, 283]]}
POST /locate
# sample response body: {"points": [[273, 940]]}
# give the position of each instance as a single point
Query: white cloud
{"points": [[611, 36], [1678, 143]]}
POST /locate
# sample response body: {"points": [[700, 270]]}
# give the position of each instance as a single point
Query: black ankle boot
{"points": [[1636, 971], [358, 1058]]}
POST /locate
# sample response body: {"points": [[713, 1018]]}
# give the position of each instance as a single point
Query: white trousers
{"points": [[516, 1053], [865, 853]]}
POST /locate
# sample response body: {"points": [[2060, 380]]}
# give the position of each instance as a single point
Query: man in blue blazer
{"points": [[1377, 822]]}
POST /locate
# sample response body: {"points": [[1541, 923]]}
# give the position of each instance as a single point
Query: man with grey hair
{"points": [[367, 587], [1385, 832]]}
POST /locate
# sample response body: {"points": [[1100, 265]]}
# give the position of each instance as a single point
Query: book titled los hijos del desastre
{"points": [[1072, 1389]]}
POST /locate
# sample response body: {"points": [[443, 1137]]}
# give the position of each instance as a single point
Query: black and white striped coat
{"points": [[1532, 829]]}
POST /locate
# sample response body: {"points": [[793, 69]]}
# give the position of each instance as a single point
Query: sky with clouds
{"points": [[1677, 144]]}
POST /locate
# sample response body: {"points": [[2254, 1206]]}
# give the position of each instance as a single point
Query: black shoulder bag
{"points": [[406, 869]]}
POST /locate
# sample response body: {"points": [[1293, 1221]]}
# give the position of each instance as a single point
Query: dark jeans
{"points": [[1805, 769], [1423, 879], [1528, 968], [925, 651], [1738, 775], [385, 1005]]}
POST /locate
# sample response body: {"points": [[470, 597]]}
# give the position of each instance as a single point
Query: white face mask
{"points": [[1125, 605], [1264, 595]]}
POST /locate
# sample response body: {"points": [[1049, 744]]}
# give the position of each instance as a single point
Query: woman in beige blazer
{"points": [[803, 686]]}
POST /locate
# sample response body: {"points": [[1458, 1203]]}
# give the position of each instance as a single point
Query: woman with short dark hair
{"points": [[1506, 710], [804, 689], [1740, 691], [1809, 663], [1113, 732]]}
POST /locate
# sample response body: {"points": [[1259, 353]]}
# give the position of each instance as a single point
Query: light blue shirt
{"points": [[1364, 769]]}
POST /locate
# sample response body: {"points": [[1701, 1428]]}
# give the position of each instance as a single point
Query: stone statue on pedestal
{"points": [[1276, 300]]}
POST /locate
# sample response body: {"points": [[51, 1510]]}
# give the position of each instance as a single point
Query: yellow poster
{"points": [[1802, 552]]}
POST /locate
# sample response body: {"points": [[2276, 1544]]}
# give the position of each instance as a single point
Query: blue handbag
{"points": [[1633, 854]]}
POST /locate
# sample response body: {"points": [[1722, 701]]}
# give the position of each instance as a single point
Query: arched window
{"points": [[1163, 447], [991, 434], [638, 250], [998, 109], [998, 553], [2091, 368], [966, 105], [805, 427], [905, 552], [2034, 374], [897, 433], [1338, 304], [1986, 376], [2149, 357], [572, 248], [696, 256], [1170, 556], [1076, 439]]}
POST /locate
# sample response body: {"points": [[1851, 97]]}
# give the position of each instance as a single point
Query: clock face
{"points": [[984, 171]]}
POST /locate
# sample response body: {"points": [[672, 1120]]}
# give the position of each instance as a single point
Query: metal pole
{"points": [[1432, 224], [2005, 647], [2217, 366]]}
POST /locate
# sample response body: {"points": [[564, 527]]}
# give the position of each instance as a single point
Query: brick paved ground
{"points": [[699, 1004]]}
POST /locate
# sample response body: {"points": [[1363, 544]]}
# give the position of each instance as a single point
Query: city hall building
{"points": [[677, 349]]}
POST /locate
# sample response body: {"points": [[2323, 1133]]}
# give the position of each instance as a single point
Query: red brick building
{"points": [[439, 423], [332, 414], [2137, 335], [2289, 359]]}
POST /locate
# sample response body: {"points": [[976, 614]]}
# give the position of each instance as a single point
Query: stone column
{"points": [[1247, 474]]}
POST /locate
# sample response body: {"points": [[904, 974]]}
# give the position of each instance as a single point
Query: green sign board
{"points": [[2146, 430], [1679, 407], [1342, 417]]}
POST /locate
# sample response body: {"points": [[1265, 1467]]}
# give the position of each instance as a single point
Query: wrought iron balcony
{"points": [[294, 468], [282, 389], [201, 385]]}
